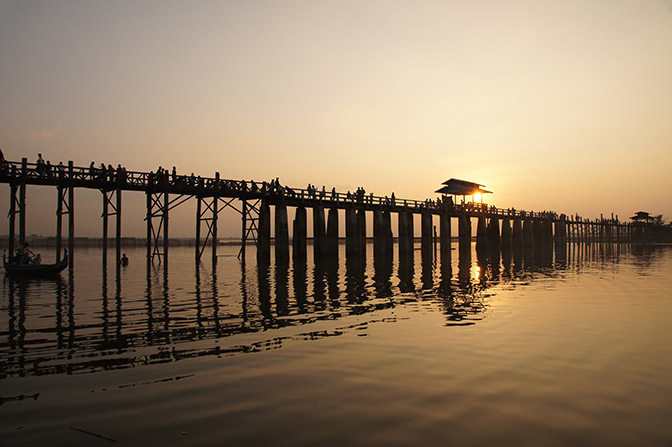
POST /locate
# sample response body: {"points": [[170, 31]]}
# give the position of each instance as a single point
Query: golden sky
{"points": [[553, 105]]}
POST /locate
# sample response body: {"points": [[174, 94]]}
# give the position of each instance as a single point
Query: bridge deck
{"points": [[150, 182]]}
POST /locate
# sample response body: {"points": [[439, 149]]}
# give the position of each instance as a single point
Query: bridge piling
{"points": [[426, 230], [281, 234], [12, 218], [481, 232], [361, 232], [118, 230], [444, 233], [300, 234], [351, 230], [528, 232], [264, 233], [464, 229], [319, 236], [379, 238], [332, 232], [493, 232]]}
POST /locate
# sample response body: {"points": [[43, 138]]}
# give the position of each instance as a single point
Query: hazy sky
{"points": [[555, 105]]}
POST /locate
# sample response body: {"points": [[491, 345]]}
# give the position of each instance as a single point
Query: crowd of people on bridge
{"points": [[164, 179]]}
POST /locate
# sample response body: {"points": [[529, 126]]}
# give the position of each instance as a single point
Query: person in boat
{"points": [[37, 260], [124, 260], [23, 254]]}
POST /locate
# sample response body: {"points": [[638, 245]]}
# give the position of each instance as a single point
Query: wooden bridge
{"points": [[508, 228]]}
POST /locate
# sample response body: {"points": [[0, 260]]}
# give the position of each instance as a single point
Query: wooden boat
{"points": [[35, 270]]}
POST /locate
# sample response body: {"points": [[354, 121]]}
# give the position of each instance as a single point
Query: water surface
{"points": [[534, 348]]}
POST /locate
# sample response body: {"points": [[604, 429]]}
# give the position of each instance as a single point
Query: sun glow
{"points": [[478, 197]]}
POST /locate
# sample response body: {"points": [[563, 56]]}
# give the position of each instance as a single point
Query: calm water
{"points": [[571, 348]]}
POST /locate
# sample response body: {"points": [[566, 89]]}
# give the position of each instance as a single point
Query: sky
{"points": [[553, 105]]}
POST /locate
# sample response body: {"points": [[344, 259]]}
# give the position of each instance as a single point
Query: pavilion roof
{"points": [[462, 188], [642, 215]]}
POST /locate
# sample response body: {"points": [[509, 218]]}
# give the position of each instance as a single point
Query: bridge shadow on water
{"points": [[135, 324]]}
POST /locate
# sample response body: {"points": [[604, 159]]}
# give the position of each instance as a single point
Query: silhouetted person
{"points": [[23, 254], [40, 164], [124, 260]]}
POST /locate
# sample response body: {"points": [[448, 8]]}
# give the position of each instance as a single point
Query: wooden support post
{"points": [[149, 228], [59, 223], [318, 231], [244, 232], [361, 230], [22, 202], [105, 216], [517, 234], [351, 230], [506, 234], [199, 200], [406, 231], [378, 231], [538, 230], [118, 229], [426, 232], [300, 234], [411, 231], [71, 215], [560, 235], [215, 214], [528, 232], [493, 232], [281, 234], [387, 232], [481, 233], [165, 231], [445, 233], [264, 233], [332, 232], [12, 218], [464, 228]]}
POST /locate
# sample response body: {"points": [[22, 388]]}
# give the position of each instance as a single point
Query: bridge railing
{"points": [[106, 177]]}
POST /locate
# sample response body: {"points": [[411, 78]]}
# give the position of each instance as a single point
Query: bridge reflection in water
{"points": [[93, 322]]}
